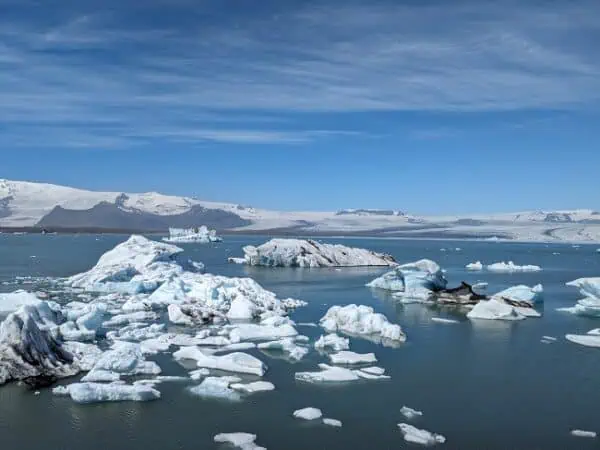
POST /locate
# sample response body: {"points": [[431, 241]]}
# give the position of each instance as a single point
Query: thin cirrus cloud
{"points": [[254, 76]]}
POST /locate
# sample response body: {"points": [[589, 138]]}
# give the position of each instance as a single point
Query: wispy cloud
{"points": [[201, 74]]}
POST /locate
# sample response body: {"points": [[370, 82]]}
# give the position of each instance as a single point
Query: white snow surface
{"points": [[309, 253], [361, 321]]}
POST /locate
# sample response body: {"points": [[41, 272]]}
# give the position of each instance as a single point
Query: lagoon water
{"points": [[483, 385]]}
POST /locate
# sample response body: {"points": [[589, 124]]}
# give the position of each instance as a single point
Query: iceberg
{"points": [[28, 349], [139, 316], [332, 341], [309, 253], [332, 422], [245, 441], [584, 434], [251, 388], [259, 332], [216, 387], [347, 357], [286, 345], [101, 376], [512, 267], [410, 413], [126, 358], [422, 437], [361, 321], [423, 274], [442, 320], [591, 339], [113, 392], [522, 293], [476, 266], [328, 374], [308, 414], [233, 362], [494, 310], [590, 305], [198, 235], [134, 266], [14, 300]]}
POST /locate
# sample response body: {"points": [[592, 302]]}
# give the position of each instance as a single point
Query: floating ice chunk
{"points": [[549, 338], [245, 441], [442, 320], [287, 346], [373, 370], [234, 260], [591, 339], [476, 266], [85, 355], [361, 321], [28, 348], [255, 332], [236, 347], [232, 362], [522, 293], [136, 265], [216, 387], [584, 434], [332, 422], [332, 341], [139, 316], [14, 300], [241, 308], [126, 358], [328, 374], [347, 357], [251, 388], [309, 253], [589, 287], [199, 235], [370, 376], [418, 279], [512, 267], [101, 376], [137, 332], [422, 437], [199, 373], [100, 392], [70, 332], [410, 413], [494, 310], [308, 414]]}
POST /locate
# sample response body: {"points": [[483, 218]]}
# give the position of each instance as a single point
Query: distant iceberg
{"points": [[309, 253], [198, 235], [512, 267], [420, 280]]}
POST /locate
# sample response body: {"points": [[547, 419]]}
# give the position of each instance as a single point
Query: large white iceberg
{"points": [[28, 347], [309, 253], [361, 321], [12, 301], [420, 279], [590, 304], [233, 362], [198, 235], [113, 392], [136, 265], [512, 267]]}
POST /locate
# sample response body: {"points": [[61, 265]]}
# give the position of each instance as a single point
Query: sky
{"points": [[430, 107]]}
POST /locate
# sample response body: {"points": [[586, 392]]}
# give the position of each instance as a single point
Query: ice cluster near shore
{"points": [[309, 253]]}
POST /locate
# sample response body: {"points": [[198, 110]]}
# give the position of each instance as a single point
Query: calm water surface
{"points": [[483, 385]]}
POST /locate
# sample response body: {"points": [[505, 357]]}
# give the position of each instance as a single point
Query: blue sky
{"points": [[425, 106]]}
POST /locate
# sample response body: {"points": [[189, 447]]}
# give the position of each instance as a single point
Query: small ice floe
{"points": [[548, 340], [245, 441], [256, 332], [494, 310], [14, 300], [138, 316], [335, 374], [583, 434], [307, 324], [422, 437], [112, 392], [101, 376], [348, 357], [310, 253], [236, 347], [287, 345], [251, 388], [332, 422], [590, 305], [512, 267], [233, 362], [198, 374], [374, 370], [591, 339], [476, 266], [410, 413], [361, 321], [308, 414], [217, 387], [442, 320], [332, 342], [198, 235]]}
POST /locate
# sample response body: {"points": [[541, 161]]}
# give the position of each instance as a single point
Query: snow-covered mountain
{"points": [[27, 204]]}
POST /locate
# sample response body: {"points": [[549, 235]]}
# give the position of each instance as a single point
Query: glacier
{"points": [[197, 235], [309, 253]]}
